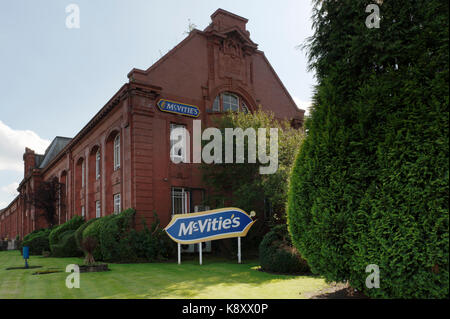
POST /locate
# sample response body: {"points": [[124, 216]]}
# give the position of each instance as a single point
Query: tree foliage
{"points": [[242, 185], [46, 198], [370, 183]]}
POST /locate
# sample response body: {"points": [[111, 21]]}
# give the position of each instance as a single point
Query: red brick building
{"points": [[121, 158]]}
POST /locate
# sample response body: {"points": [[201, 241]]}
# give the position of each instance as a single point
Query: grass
{"points": [[216, 279]]}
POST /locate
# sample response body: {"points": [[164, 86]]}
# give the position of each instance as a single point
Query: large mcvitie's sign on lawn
{"points": [[210, 225], [178, 108]]}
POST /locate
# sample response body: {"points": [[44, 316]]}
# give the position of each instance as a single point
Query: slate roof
{"points": [[54, 148]]}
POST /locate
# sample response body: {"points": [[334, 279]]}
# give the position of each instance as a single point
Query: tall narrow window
{"points": [[117, 204], [97, 165], [178, 143], [83, 172], [82, 211], [180, 200], [117, 152], [216, 105], [98, 211]]}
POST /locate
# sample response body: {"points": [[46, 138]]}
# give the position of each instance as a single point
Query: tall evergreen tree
{"points": [[370, 183]]}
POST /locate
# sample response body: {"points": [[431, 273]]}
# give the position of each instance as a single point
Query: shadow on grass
{"points": [[23, 267], [213, 279]]}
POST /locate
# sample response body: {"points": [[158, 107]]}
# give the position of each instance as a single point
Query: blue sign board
{"points": [[178, 108], [210, 225]]}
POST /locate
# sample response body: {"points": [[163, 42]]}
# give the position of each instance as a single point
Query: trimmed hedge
{"points": [[67, 247], [37, 241], [276, 253], [118, 241], [57, 244], [114, 237]]}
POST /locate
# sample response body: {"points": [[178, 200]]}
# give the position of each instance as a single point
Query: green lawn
{"points": [[214, 279]]}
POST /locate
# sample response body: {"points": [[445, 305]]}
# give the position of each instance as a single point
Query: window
{"points": [[180, 200], [178, 142], [117, 204], [117, 152], [82, 174], [230, 102], [98, 211], [216, 105], [82, 211], [97, 165], [244, 108]]}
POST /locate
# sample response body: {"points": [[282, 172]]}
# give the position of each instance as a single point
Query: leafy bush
{"points": [[37, 241], [67, 247], [114, 237], [56, 234], [277, 254], [152, 244]]}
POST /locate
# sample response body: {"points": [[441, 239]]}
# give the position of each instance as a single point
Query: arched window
{"points": [[229, 102], [97, 165], [117, 152]]}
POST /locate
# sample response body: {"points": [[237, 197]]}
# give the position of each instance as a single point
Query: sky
{"points": [[54, 79]]}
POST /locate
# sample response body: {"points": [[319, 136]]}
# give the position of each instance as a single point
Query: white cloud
{"points": [[12, 146], [10, 189], [304, 105]]}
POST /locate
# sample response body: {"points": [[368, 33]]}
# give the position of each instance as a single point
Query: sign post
{"points": [[197, 228], [26, 255], [239, 250]]}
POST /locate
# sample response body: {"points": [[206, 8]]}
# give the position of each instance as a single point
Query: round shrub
{"points": [[37, 241], [67, 246], [276, 253], [56, 234]]}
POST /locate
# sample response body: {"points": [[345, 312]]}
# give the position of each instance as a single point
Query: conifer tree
{"points": [[370, 183]]}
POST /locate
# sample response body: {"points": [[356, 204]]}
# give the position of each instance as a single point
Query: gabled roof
{"points": [[54, 148]]}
